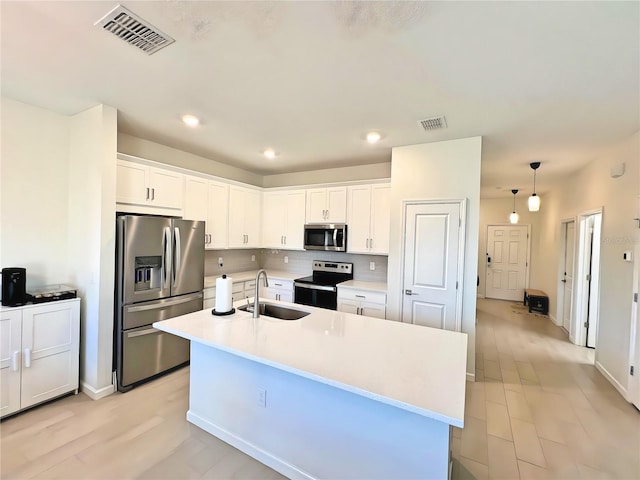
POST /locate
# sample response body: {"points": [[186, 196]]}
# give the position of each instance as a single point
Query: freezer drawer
{"points": [[147, 352], [146, 313]]}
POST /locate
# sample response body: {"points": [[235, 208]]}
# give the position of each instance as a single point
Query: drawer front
{"points": [[237, 287], [362, 295], [209, 293], [281, 284]]}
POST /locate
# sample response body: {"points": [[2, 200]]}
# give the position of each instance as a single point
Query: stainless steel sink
{"points": [[276, 311]]}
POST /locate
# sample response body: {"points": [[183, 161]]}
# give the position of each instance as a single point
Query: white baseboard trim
{"points": [[471, 377], [617, 385], [553, 319], [250, 449], [480, 295], [96, 394]]}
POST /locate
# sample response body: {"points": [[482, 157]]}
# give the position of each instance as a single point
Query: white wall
{"points": [[589, 188], [161, 153], [91, 243], [344, 174], [438, 170], [495, 211], [34, 187]]}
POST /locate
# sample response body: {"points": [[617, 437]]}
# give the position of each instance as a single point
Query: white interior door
{"points": [[431, 258], [635, 320], [567, 276], [506, 261]]}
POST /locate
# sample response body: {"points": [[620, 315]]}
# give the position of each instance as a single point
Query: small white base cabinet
{"points": [[209, 300], [278, 289], [39, 353], [362, 302]]}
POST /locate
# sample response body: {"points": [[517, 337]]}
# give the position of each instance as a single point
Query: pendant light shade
{"points": [[514, 217], [534, 200]]}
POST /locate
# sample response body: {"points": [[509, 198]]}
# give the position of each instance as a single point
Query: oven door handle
{"points": [[315, 287]]}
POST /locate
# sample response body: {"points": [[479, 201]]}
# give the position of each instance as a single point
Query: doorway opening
{"points": [[565, 310], [584, 329]]}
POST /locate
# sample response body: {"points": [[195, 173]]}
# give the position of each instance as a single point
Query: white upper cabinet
{"points": [[368, 219], [148, 187], [327, 205], [208, 200], [244, 217], [283, 217]]}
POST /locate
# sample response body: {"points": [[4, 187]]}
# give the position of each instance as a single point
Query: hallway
{"points": [[539, 408]]}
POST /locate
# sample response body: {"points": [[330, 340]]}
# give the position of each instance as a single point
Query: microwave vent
{"points": [[137, 32], [433, 123]]}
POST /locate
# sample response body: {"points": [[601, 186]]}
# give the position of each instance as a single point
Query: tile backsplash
{"points": [[299, 262]]}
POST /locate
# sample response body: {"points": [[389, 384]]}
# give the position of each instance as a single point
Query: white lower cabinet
{"points": [[39, 353], [362, 302], [278, 289], [242, 290]]}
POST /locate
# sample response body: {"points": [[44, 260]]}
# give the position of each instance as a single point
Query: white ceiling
{"points": [[540, 81]]}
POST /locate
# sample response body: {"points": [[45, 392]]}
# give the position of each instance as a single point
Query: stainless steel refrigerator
{"points": [[159, 275]]}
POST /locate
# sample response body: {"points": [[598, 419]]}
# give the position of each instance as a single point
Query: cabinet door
{"points": [[252, 224], [50, 349], [337, 205], [380, 219], [273, 220], [195, 198], [348, 306], [316, 205], [131, 183], [295, 208], [372, 310], [269, 293], [359, 219], [10, 360], [236, 217], [166, 188], [285, 296], [218, 216]]}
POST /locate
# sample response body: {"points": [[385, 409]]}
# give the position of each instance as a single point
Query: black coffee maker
{"points": [[14, 286]]}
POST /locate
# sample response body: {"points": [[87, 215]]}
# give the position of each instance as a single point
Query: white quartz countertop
{"points": [[419, 369], [210, 281], [360, 285]]}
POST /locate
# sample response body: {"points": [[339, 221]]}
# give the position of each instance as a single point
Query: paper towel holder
{"points": [[219, 286]]}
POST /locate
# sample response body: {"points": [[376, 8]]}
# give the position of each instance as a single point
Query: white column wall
{"points": [[91, 245], [438, 170]]}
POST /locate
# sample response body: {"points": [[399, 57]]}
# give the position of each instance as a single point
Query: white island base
{"points": [[306, 429], [329, 396]]}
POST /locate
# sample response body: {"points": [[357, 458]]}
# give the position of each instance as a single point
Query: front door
{"points": [[431, 261], [506, 261]]}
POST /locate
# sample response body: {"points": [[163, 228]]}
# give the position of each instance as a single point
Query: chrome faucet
{"points": [[256, 301]]}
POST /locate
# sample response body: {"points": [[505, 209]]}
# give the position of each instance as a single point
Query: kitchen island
{"points": [[331, 395]]}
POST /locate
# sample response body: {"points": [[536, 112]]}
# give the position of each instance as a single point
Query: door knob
{"points": [[409, 292]]}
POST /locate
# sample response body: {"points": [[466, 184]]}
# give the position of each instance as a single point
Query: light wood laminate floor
{"points": [[538, 409]]}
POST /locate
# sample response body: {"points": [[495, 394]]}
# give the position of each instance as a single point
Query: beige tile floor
{"points": [[538, 409]]}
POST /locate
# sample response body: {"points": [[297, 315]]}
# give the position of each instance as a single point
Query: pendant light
{"points": [[534, 200], [514, 217]]}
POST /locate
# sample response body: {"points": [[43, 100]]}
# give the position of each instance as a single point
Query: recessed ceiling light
{"points": [[191, 120], [373, 137], [270, 153]]}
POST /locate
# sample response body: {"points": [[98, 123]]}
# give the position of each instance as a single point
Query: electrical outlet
{"points": [[372, 265], [253, 258], [262, 397], [286, 259], [220, 263]]}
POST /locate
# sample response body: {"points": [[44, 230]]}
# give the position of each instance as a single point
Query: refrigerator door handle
{"points": [[166, 256], [165, 303], [140, 333], [177, 254]]}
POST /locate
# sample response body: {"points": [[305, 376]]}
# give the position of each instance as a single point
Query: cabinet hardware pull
{"points": [[147, 194], [278, 284], [361, 310], [15, 359], [370, 243], [153, 194], [361, 296], [27, 357], [285, 239]]}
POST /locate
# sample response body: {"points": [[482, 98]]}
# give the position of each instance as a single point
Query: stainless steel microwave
{"points": [[329, 237]]}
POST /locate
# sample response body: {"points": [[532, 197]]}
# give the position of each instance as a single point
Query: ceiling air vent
{"points": [[433, 123], [134, 30]]}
